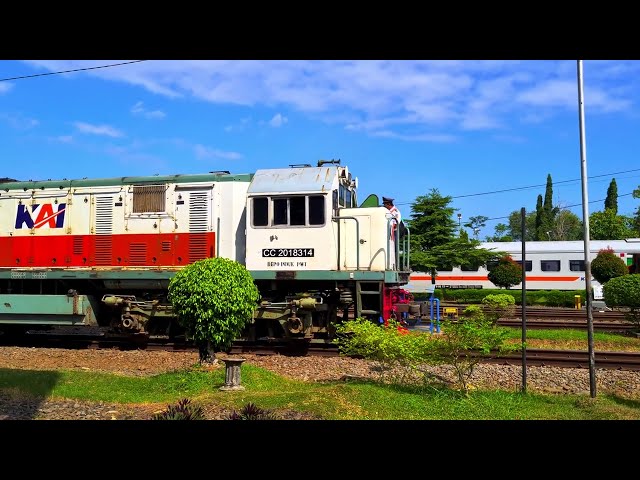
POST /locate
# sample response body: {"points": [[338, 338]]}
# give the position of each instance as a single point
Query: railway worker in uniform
{"points": [[395, 213], [395, 228]]}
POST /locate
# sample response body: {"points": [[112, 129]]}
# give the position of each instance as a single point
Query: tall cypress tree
{"points": [[548, 196], [548, 212], [539, 216], [611, 202]]}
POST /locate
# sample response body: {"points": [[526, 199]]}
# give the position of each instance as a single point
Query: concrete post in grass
{"points": [[232, 373]]}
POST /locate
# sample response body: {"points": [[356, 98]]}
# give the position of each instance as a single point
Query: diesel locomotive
{"points": [[101, 252]]}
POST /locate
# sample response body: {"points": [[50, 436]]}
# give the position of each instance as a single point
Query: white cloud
{"points": [[278, 120], [18, 121], [138, 109], [424, 95], [203, 153], [425, 137], [5, 87], [98, 129], [564, 93], [244, 123], [65, 138]]}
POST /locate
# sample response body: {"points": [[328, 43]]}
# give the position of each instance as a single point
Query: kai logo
{"points": [[44, 215]]}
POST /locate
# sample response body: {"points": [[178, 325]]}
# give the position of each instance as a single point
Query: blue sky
{"points": [[403, 127]]}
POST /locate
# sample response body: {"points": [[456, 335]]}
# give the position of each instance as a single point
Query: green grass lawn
{"points": [[354, 400]]}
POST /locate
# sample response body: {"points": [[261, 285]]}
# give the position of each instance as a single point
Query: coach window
{"points": [[260, 212], [550, 265], [528, 265], [576, 265], [343, 196]]}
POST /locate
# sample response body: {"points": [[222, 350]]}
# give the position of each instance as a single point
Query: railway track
{"points": [[571, 359], [551, 312], [535, 357], [602, 326]]}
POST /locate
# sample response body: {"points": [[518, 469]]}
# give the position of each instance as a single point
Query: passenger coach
{"points": [[553, 265]]}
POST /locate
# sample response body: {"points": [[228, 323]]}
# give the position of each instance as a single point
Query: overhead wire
{"points": [[566, 207], [533, 186], [69, 71]]}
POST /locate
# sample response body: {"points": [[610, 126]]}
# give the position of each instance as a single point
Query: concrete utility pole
{"points": [[523, 220], [587, 249]]}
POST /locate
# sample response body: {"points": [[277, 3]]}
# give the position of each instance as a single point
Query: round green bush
{"points": [[607, 265], [499, 300], [214, 300], [623, 291]]}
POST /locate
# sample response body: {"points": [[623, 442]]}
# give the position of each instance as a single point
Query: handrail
{"points": [[337, 219], [389, 220], [408, 248]]}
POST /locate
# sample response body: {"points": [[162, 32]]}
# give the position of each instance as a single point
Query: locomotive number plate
{"points": [[287, 252]]}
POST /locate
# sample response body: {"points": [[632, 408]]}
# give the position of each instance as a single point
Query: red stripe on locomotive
{"points": [[125, 250]]}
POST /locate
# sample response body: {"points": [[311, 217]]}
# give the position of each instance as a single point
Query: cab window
{"points": [[294, 211]]}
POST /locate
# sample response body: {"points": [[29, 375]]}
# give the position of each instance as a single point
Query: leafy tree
{"points": [[607, 265], [214, 300], [611, 202], [501, 234], [515, 226], [476, 223], [434, 244], [609, 226], [624, 291], [506, 273], [567, 226], [636, 215]]}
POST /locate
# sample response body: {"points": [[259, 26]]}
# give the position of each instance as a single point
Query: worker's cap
{"points": [[387, 200]]}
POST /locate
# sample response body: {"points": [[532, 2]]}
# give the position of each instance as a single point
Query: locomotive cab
{"points": [[315, 256]]}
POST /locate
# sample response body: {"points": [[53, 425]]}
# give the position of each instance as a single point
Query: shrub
{"points": [[473, 311], [624, 291], [183, 410], [506, 274], [214, 300], [458, 345], [385, 343], [251, 412], [463, 340], [500, 305], [607, 265]]}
